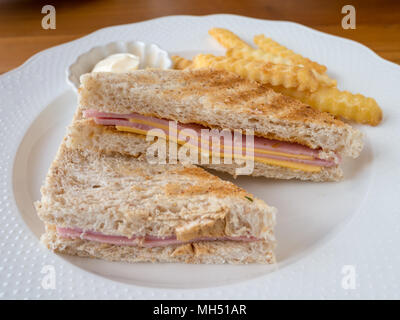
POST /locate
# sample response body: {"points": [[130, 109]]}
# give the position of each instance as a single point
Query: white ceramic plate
{"points": [[327, 232]]}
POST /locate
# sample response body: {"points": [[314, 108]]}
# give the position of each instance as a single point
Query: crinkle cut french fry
{"points": [[269, 73], [257, 54], [250, 53], [273, 47], [355, 107], [181, 63], [227, 38]]}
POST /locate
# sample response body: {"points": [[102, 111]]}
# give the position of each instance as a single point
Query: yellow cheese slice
{"points": [[256, 150], [281, 163]]}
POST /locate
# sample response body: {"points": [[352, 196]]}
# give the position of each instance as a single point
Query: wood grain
{"points": [[21, 35]]}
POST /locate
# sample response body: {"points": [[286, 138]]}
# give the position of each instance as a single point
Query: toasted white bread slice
{"points": [[218, 99], [208, 252], [85, 134], [117, 195]]}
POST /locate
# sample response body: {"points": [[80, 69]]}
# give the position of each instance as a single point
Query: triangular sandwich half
{"points": [[120, 208], [291, 139]]}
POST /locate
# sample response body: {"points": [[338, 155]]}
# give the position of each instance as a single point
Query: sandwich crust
{"points": [[218, 99]]}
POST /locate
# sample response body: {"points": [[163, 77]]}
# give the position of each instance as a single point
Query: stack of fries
{"points": [[286, 72]]}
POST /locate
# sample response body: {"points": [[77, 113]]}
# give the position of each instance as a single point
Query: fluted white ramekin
{"points": [[150, 55]]}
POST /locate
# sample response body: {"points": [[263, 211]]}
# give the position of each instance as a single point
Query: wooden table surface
{"points": [[21, 34]]}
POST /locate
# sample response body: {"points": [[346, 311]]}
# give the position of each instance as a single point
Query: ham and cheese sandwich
{"points": [[291, 139], [120, 208]]}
